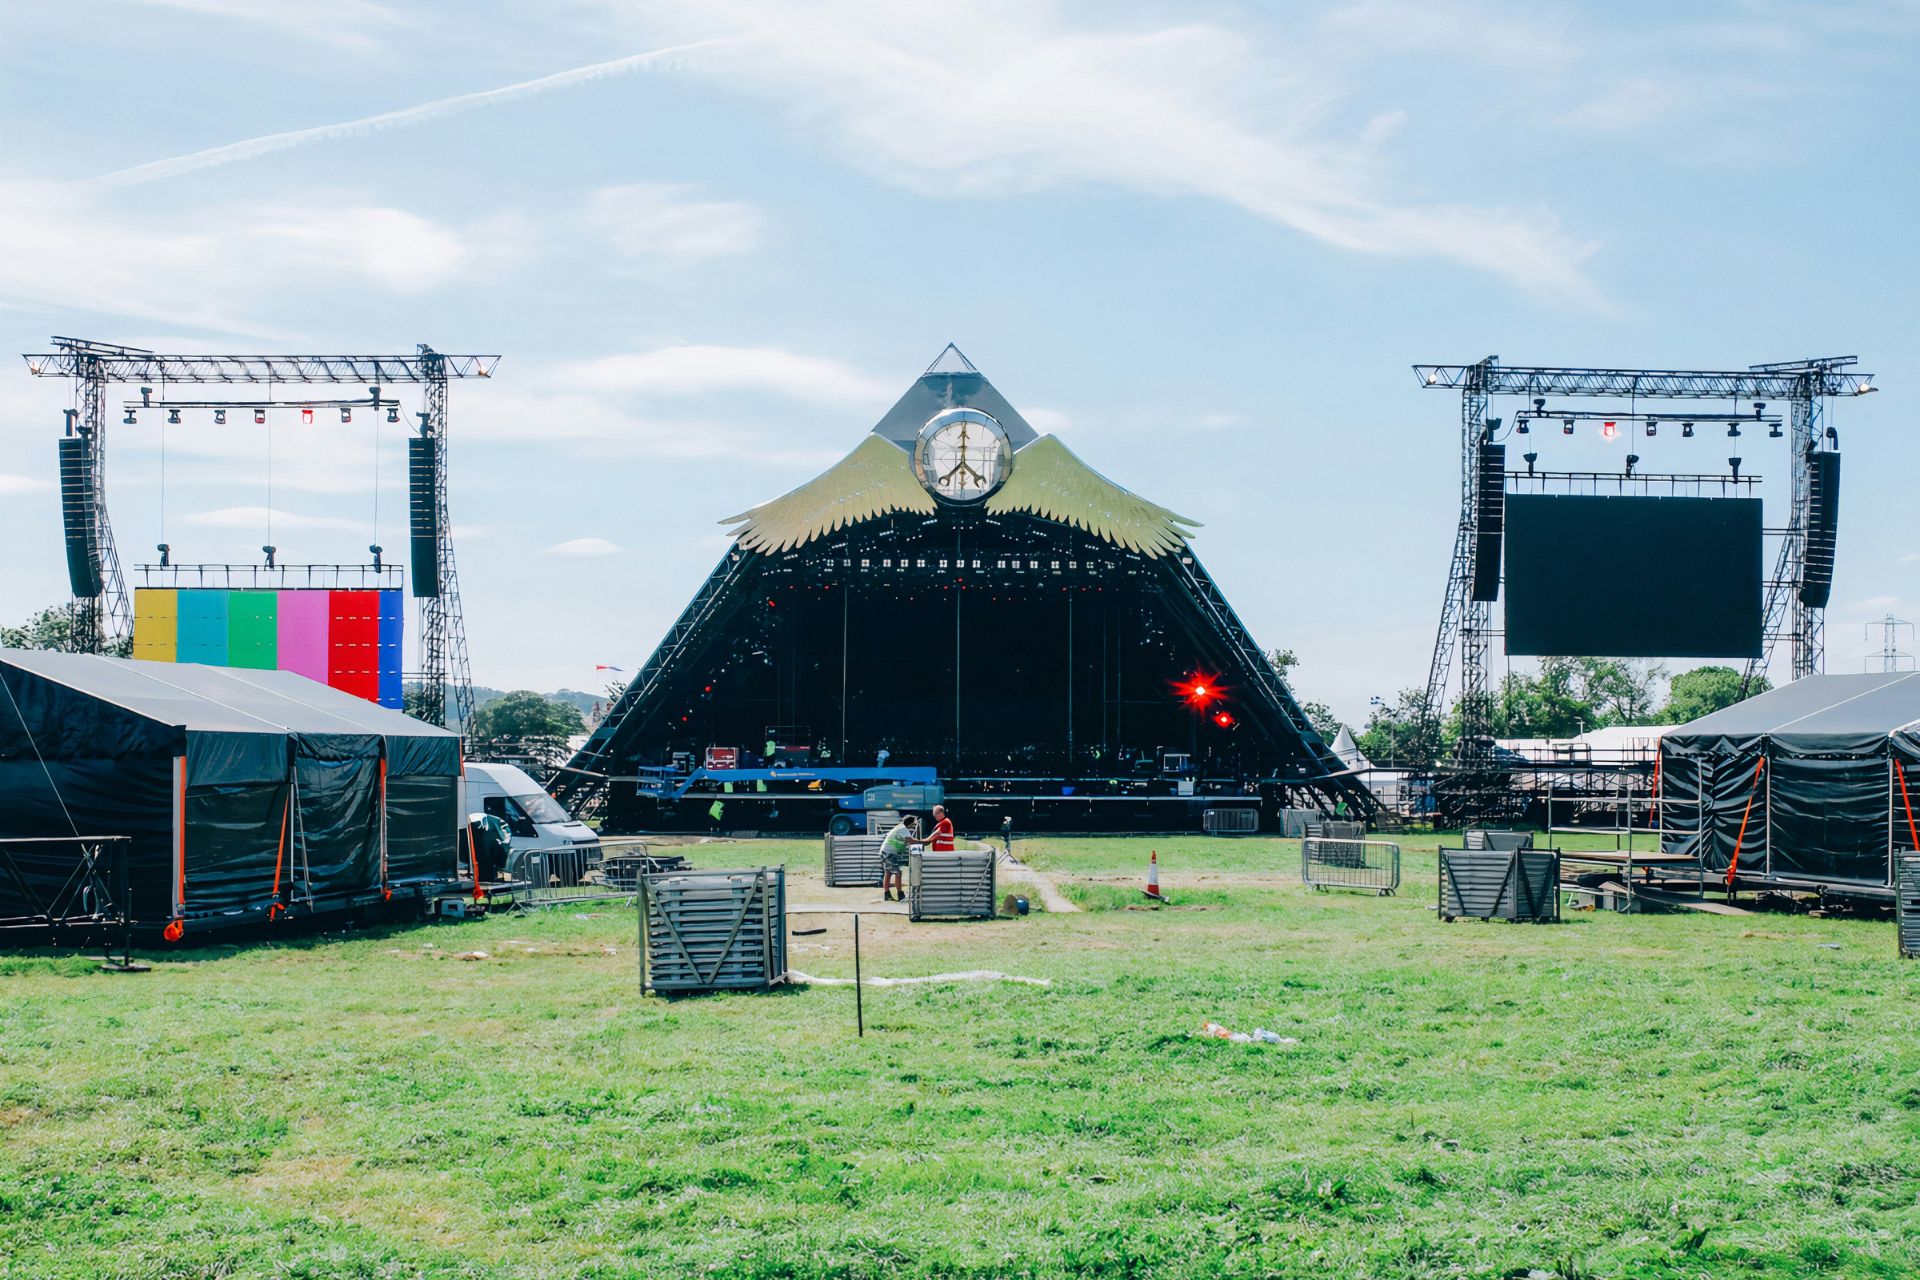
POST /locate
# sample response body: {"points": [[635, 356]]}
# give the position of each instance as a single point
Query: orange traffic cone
{"points": [[1153, 875]]}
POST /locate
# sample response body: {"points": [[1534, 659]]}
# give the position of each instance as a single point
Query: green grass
{"points": [[1615, 1096]]}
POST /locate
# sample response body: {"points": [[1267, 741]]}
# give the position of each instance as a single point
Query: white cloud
{"points": [[208, 266], [696, 369], [257, 518], [666, 221], [11, 485], [961, 99], [584, 547]]}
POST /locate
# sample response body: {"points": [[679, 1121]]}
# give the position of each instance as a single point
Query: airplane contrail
{"points": [[438, 109]]}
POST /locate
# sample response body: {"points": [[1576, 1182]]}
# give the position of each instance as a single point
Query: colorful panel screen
{"points": [[347, 639]]}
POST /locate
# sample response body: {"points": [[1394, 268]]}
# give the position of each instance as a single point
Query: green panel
{"points": [[253, 629]]}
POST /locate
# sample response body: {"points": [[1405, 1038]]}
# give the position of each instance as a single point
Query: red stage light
{"points": [[1224, 720], [1608, 430], [306, 416]]}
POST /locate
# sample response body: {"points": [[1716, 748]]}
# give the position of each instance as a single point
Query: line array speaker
{"points": [[1490, 519], [1823, 527], [77, 509], [424, 460]]}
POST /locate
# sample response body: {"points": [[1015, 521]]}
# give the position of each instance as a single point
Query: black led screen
{"points": [[1630, 577]]}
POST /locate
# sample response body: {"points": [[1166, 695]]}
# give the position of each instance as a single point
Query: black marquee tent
{"points": [[247, 794], [1815, 783]]}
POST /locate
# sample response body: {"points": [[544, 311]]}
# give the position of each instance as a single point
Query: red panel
{"points": [[353, 643]]}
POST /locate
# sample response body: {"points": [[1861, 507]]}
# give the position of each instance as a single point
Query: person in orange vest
{"points": [[941, 838]]}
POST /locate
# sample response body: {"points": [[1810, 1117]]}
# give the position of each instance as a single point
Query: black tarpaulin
{"points": [[1826, 806], [282, 782]]}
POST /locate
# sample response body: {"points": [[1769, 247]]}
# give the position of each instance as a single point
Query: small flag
{"points": [[601, 666]]}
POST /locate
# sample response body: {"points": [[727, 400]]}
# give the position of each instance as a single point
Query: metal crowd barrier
{"points": [[1497, 884], [853, 861], [1504, 841], [958, 885], [1238, 821], [609, 871], [1350, 864], [713, 930], [1337, 830], [1907, 904]]}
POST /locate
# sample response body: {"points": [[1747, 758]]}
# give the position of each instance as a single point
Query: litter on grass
{"points": [[1259, 1035], [969, 975]]}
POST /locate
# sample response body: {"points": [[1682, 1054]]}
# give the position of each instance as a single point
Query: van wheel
{"points": [[842, 825]]}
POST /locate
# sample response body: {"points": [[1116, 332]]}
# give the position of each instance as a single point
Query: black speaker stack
{"points": [[1490, 518], [423, 513], [77, 508], [1823, 525]]}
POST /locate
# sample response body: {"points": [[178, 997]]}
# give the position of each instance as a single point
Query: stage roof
{"points": [[1047, 479]]}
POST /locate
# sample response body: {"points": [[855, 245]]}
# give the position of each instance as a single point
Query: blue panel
{"points": [[392, 625], [203, 627]]}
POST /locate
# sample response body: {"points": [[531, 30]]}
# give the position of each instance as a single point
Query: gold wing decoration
{"points": [[876, 479], [1049, 480]]}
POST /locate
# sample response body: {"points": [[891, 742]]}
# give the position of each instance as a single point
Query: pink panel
{"points": [[304, 620]]}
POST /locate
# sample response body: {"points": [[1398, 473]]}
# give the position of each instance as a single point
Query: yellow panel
{"points": [[156, 624]]}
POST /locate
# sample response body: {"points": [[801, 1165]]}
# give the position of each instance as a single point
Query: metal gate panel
{"points": [[853, 860], [1230, 822], [714, 930], [1502, 841], [958, 885], [1350, 864]]}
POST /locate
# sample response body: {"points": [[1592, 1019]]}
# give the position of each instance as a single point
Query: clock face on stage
{"points": [[962, 455]]}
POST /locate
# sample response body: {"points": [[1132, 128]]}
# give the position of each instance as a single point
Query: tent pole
{"points": [[179, 837]]}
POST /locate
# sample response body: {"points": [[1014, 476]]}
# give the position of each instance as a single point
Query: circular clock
{"points": [[962, 455]]}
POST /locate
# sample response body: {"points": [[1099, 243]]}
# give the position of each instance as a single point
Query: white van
{"points": [[537, 821]]}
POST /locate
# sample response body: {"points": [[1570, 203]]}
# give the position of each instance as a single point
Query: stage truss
{"points": [[1467, 624], [92, 367]]}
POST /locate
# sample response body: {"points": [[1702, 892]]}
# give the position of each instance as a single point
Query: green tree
{"points": [[1402, 733], [1568, 696], [52, 628], [526, 714], [1318, 714], [1703, 691]]}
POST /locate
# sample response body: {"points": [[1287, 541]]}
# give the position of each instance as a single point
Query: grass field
{"points": [[1618, 1096]]}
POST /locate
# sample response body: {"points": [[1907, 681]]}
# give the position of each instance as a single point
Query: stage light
{"points": [[393, 415], [1735, 464], [1633, 460], [1433, 376], [346, 415], [270, 550], [1865, 388], [146, 396], [173, 417], [1833, 437], [1609, 430], [1520, 427], [1540, 403], [1775, 432], [1733, 431], [306, 415], [1224, 720], [1566, 426], [219, 417], [259, 417], [166, 554], [130, 420], [1686, 430], [1653, 427], [1759, 407], [1531, 459]]}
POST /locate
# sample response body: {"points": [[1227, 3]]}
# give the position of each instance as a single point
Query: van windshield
{"points": [[541, 807]]}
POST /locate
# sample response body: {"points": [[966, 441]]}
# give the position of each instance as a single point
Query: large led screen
{"points": [[1633, 577]]}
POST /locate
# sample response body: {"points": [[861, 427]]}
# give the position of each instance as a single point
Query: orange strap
{"points": [[1656, 790], [1908, 802], [1733, 866], [473, 855], [280, 857]]}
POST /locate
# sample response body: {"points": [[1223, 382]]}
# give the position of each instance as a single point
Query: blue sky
{"points": [[1201, 242]]}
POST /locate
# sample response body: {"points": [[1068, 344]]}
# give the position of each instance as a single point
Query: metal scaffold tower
{"points": [[103, 613], [1467, 624]]}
